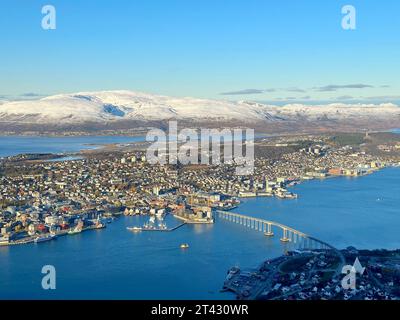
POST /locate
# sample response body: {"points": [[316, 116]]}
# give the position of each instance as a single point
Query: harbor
{"points": [[41, 198], [139, 257]]}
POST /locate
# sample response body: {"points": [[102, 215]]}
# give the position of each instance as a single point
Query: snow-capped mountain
{"points": [[111, 107], [126, 105]]}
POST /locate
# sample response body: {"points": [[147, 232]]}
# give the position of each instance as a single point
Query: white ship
{"points": [[135, 229], [45, 238]]}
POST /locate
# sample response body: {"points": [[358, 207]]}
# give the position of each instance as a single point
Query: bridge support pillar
{"points": [[285, 235], [268, 231], [307, 244]]}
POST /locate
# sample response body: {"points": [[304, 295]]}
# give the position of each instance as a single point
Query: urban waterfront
{"points": [[116, 264]]}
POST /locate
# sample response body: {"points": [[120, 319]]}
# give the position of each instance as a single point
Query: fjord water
{"points": [[13, 145], [116, 264], [363, 212]]}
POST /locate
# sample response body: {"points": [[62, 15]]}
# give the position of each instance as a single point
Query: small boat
{"points": [[184, 246], [100, 223], [45, 238], [286, 195], [148, 227], [229, 207], [134, 229], [160, 215], [75, 231], [162, 226], [234, 270]]}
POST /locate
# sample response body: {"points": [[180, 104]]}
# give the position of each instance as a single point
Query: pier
{"points": [[288, 234], [165, 230]]}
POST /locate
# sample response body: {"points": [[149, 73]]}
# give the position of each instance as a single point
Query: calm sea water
{"points": [[117, 264], [13, 145], [363, 212]]}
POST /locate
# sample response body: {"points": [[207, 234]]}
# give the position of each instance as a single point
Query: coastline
{"points": [[55, 246], [143, 133], [31, 239], [371, 171]]}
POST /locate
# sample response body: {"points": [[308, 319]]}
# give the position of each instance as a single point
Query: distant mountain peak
{"points": [[124, 105]]}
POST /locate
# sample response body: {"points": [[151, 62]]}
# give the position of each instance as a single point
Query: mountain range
{"points": [[108, 110]]}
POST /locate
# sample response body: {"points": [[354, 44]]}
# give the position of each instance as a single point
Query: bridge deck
{"points": [[273, 223], [286, 229]]}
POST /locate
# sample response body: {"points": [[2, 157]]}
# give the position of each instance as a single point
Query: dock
{"points": [[164, 230], [194, 221]]}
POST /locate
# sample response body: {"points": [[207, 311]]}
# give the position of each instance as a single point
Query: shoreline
{"points": [[317, 274], [114, 146], [31, 239], [100, 133], [277, 193]]}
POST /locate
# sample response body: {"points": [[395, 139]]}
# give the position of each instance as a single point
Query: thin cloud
{"points": [[31, 94], [335, 87], [22, 96], [243, 92], [383, 98], [344, 98], [294, 89]]}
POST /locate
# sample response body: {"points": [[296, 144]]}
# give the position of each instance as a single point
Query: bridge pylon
{"points": [[285, 235], [269, 232]]}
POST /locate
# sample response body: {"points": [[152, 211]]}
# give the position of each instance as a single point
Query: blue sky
{"points": [[267, 50]]}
